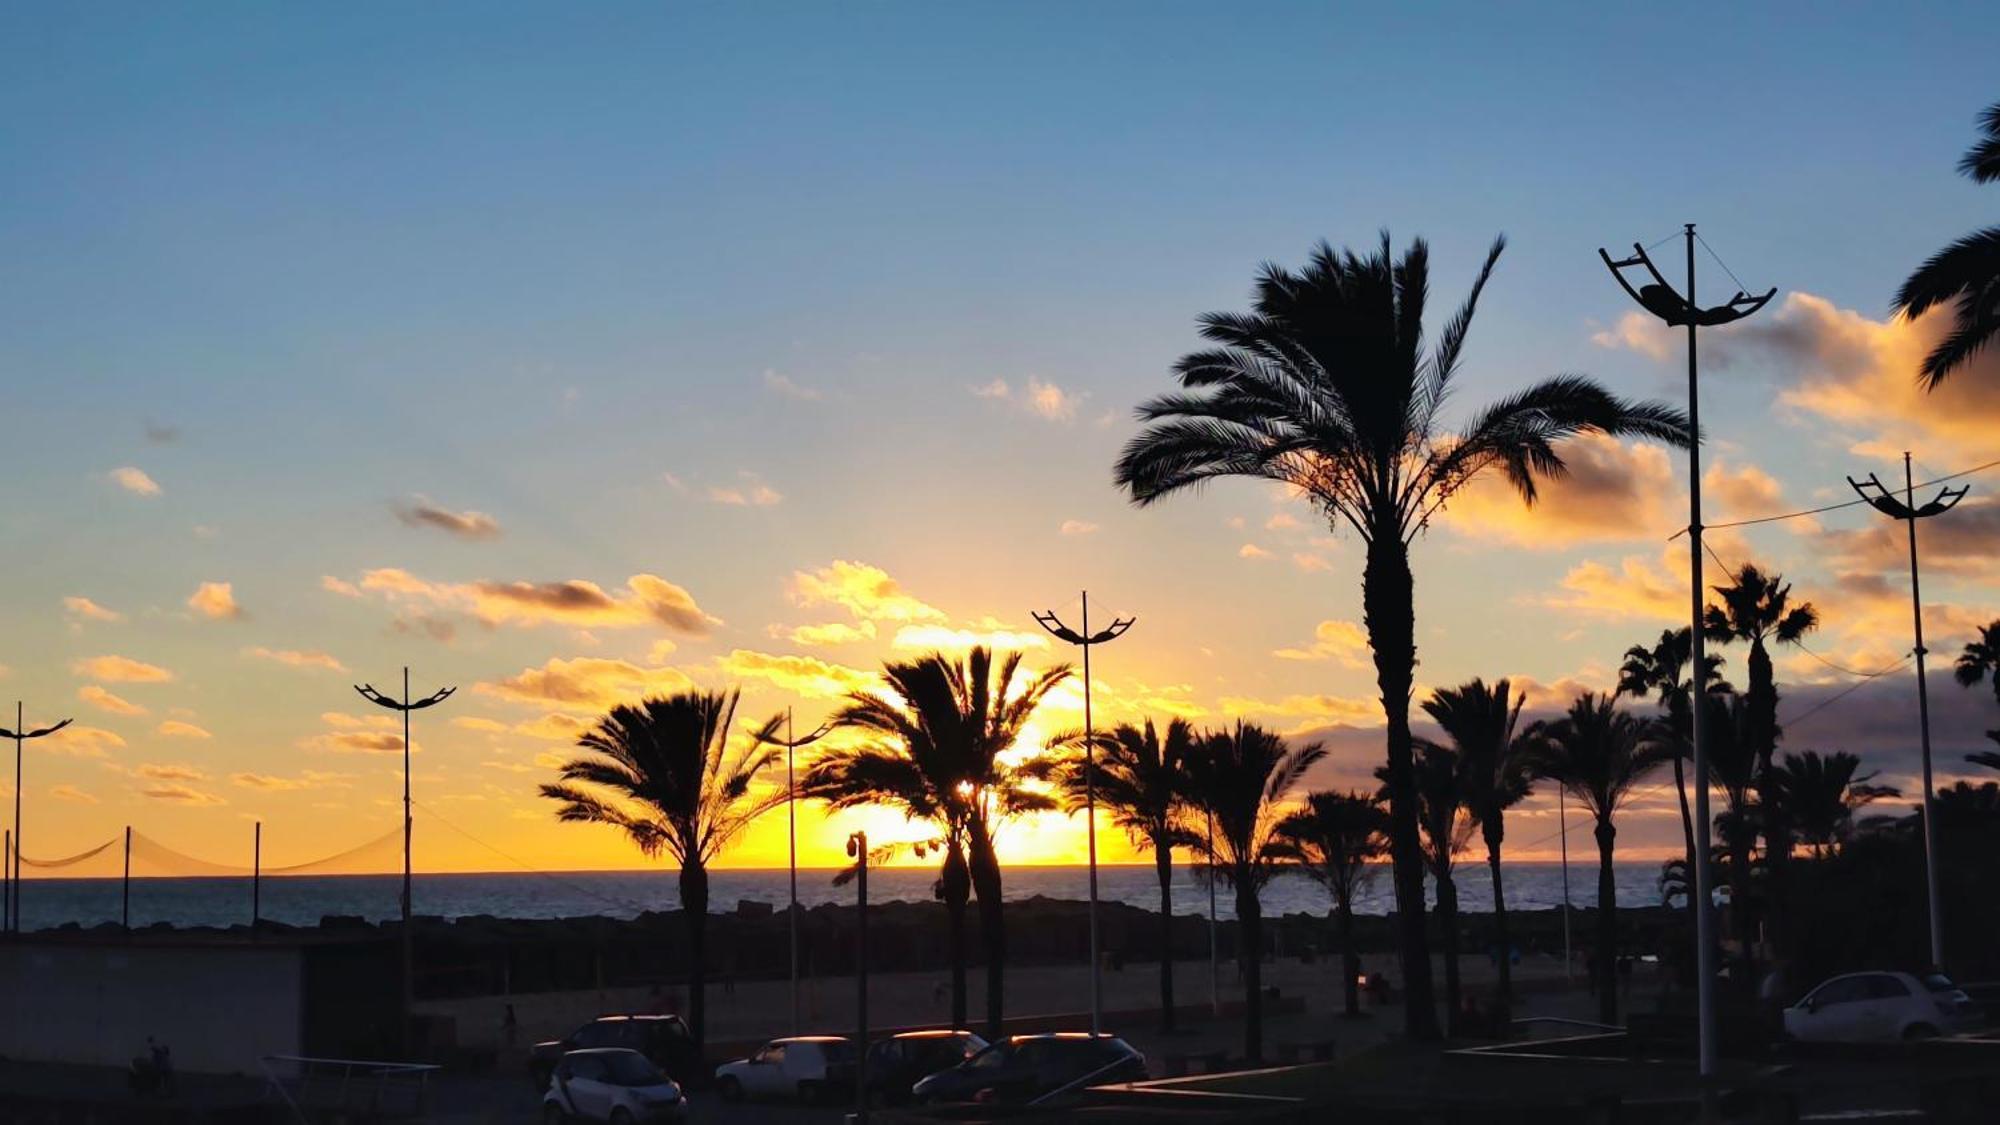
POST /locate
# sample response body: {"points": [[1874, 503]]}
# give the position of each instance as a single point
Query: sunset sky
{"points": [[566, 355]]}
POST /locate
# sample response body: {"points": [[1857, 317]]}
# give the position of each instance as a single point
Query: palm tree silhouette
{"points": [[1732, 767], [1757, 608], [1241, 777], [939, 757], [1337, 837], [1479, 721], [1141, 783], [1446, 828], [1966, 273], [1823, 792], [1600, 754], [1327, 387], [662, 773], [1980, 659], [1662, 672]]}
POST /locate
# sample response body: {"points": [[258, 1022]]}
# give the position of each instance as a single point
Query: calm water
{"points": [[304, 899]]}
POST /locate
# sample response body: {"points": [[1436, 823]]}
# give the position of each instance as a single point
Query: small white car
{"points": [[1881, 1007], [614, 1084], [811, 1068]]}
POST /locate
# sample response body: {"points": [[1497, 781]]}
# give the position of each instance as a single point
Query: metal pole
{"points": [[1214, 942], [1704, 921], [7, 883], [858, 845], [792, 861], [20, 728], [1924, 719], [406, 803], [1090, 817], [1562, 824], [256, 876], [125, 885]]}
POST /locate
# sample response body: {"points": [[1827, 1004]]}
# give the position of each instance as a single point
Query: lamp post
{"points": [[791, 744], [1085, 639], [857, 847], [369, 693], [1660, 299], [20, 734], [1907, 510]]}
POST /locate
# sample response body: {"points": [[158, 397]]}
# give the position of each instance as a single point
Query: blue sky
{"points": [[529, 263]]}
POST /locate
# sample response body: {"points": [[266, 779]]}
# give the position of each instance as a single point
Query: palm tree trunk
{"points": [[1500, 934], [1163, 861], [955, 888], [694, 912], [1447, 911], [1250, 935], [1687, 817], [1388, 610], [1777, 840], [1742, 843], [1607, 926], [992, 928], [1350, 960]]}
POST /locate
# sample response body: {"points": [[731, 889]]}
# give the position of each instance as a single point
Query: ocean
{"points": [[302, 900]]}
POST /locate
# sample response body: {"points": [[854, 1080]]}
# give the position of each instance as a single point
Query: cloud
{"points": [[175, 728], [420, 512], [1315, 709], [1637, 589], [1636, 332], [339, 586], [119, 670], [1252, 551], [801, 675], [77, 741], [555, 726], [475, 723], [162, 435], [1613, 491], [350, 734], [647, 600], [178, 771], [832, 633], [182, 794], [1040, 397], [751, 493], [591, 682], [1076, 527], [998, 388], [105, 701], [215, 601], [134, 481], [271, 783], [782, 385], [1738, 492], [86, 610], [1281, 521], [1962, 544], [295, 658], [1309, 562], [865, 591], [1343, 641], [990, 633], [72, 794]]}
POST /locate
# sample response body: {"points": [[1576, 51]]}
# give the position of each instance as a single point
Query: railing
{"points": [[381, 1089], [1077, 1083], [1562, 1021]]}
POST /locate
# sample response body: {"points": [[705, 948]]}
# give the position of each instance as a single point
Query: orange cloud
{"points": [[72, 794], [801, 675], [87, 610], [134, 481], [215, 601], [647, 600], [1333, 640], [465, 525], [592, 682], [294, 658], [175, 728], [172, 772], [182, 794], [991, 633], [105, 701], [832, 633], [78, 741], [1613, 491], [1252, 551], [1635, 589], [865, 591], [1316, 710], [120, 670]]}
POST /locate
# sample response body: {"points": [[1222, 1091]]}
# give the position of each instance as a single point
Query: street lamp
{"points": [[1658, 297], [369, 693], [857, 847], [20, 734], [1085, 639], [769, 736], [1906, 510]]}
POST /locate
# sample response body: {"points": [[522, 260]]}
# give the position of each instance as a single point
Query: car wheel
{"points": [[553, 1114], [730, 1089], [1917, 1032]]}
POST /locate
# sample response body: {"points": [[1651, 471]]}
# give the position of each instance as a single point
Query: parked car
{"points": [[665, 1040], [806, 1067], [614, 1084], [897, 1063], [1022, 1068], [1880, 1007]]}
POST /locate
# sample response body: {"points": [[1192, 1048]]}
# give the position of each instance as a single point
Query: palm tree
{"points": [[1823, 792], [1241, 777], [1327, 387], [1599, 754], [1966, 273], [1662, 672], [662, 773], [1446, 829], [1338, 836], [1757, 608], [1732, 767], [1480, 723], [940, 753], [1140, 780], [1980, 659]]}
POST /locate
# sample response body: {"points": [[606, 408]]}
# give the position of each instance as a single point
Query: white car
{"points": [[1881, 1007], [614, 1084], [810, 1068]]}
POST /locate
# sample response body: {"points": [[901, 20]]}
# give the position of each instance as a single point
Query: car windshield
{"points": [[631, 1070], [996, 1055], [1938, 982]]}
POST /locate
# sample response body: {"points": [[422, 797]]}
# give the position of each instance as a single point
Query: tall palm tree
{"points": [[1757, 607], [1480, 721], [1732, 768], [1599, 755], [1823, 792], [1241, 777], [1446, 828], [940, 754], [662, 772], [1141, 781], [1338, 837], [1328, 387], [1979, 660], [1966, 273], [1662, 672]]}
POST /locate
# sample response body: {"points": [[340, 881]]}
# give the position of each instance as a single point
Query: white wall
{"points": [[217, 1007]]}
